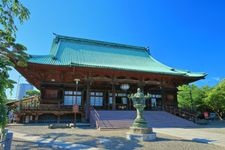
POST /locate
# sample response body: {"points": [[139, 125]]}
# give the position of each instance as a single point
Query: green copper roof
{"points": [[70, 51]]}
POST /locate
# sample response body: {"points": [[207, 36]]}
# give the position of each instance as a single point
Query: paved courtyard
{"points": [[38, 136]]}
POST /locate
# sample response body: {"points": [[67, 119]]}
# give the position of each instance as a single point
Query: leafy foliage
{"points": [[203, 98], [192, 97], [216, 99], [201, 94], [32, 93], [184, 97], [11, 53]]}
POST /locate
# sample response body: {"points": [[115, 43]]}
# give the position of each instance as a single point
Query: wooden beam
{"points": [[87, 106], [113, 97]]}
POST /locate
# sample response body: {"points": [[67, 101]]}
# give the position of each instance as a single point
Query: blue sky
{"points": [[185, 34]]}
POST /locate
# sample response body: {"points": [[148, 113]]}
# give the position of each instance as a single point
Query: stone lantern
{"points": [[139, 129]]}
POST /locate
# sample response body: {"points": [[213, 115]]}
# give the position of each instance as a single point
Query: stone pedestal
{"points": [[139, 129], [141, 134], [142, 137]]}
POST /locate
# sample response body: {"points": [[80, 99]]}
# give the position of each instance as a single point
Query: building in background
{"points": [[22, 88]]}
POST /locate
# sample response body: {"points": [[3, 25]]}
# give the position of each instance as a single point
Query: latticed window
{"points": [[96, 98], [121, 96], [155, 95], [72, 97]]}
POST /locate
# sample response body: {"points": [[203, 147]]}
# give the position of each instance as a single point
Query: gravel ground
{"points": [[19, 144], [215, 127], [109, 139]]}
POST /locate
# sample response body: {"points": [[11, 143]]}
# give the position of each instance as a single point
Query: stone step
{"points": [[155, 119]]}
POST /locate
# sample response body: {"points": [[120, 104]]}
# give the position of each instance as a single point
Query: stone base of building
{"points": [[141, 134]]}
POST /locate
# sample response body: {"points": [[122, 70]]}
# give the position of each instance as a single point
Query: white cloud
{"points": [[216, 78]]}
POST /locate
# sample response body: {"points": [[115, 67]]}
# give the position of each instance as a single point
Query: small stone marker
{"points": [[8, 141]]}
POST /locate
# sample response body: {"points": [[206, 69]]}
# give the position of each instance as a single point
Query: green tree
{"points": [[11, 52], [192, 97], [200, 98], [216, 99], [184, 97], [32, 93]]}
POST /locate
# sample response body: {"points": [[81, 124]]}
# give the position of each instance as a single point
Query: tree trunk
{"points": [[219, 114], [1, 133]]}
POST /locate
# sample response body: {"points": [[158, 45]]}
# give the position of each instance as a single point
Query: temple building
{"points": [[90, 73]]}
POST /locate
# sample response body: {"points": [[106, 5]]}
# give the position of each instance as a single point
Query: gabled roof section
{"points": [[71, 51]]}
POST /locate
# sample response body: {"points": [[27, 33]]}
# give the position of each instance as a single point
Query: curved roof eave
{"points": [[187, 74]]}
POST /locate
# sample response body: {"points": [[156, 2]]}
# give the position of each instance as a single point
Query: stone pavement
{"points": [[194, 134], [51, 142], [38, 137]]}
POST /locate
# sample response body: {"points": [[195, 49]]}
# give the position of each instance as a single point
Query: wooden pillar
{"points": [[129, 103], [108, 97], [58, 118], [141, 86], [74, 119], [58, 104], [163, 97], [42, 92], [87, 105], [175, 103], [113, 97], [61, 101], [104, 101], [36, 118]]}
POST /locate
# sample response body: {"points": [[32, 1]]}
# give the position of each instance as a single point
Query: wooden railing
{"points": [[33, 103], [180, 112], [50, 107]]}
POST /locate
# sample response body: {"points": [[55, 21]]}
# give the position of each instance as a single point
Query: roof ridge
{"points": [[99, 42], [40, 55]]}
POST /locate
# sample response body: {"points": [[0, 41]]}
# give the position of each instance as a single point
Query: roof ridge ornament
{"points": [[148, 50]]}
